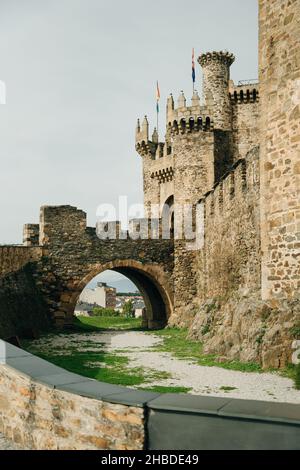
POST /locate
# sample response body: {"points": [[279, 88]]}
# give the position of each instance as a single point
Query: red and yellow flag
{"points": [[157, 96]]}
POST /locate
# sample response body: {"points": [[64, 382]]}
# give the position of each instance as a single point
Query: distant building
{"points": [[83, 310], [102, 296], [138, 312]]}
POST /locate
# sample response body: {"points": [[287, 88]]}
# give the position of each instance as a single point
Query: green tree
{"points": [[128, 310]]}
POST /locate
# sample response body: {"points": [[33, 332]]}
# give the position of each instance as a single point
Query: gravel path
{"points": [[184, 373]]}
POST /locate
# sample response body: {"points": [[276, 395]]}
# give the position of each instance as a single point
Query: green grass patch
{"points": [[89, 358], [176, 342], [105, 323], [289, 372], [295, 331], [292, 372], [100, 365], [89, 324], [225, 388]]}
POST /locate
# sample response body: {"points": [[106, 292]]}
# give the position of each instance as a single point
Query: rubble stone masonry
{"points": [[36, 416], [279, 55], [236, 153]]}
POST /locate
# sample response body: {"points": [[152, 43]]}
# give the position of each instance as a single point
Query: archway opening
{"points": [[111, 288]]}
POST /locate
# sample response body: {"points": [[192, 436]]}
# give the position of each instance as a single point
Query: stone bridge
{"points": [[61, 255]]}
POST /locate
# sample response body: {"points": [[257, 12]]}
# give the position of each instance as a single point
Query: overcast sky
{"points": [[78, 74]]}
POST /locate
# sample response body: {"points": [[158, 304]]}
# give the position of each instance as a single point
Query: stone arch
{"points": [[150, 279]]}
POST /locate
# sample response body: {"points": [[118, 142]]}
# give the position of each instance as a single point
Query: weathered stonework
{"points": [[279, 56], [245, 118], [73, 255], [234, 154], [237, 152], [23, 309], [36, 416], [14, 258]]}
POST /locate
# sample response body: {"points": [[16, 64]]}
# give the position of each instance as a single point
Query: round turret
{"points": [[216, 77]]}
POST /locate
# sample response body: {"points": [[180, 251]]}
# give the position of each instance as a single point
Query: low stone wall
{"points": [[44, 416], [45, 407]]}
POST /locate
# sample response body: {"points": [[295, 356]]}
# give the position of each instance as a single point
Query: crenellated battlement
{"points": [[193, 124], [204, 137], [247, 93], [182, 110], [138, 229], [223, 57], [145, 147], [237, 183], [150, 149], [142, 130]]}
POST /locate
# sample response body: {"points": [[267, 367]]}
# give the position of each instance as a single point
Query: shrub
{"points": [[128, 310], [205, 329], [105, 312], [295, 331]]}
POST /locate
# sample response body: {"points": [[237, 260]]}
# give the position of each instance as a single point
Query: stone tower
{"points": [[216, 77], [198, 146]]}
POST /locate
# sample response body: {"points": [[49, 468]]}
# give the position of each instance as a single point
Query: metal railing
{"points": [[253, 81]]}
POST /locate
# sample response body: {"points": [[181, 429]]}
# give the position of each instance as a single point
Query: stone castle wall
{"points": [[43, 283], [231, 253], [280, 147], [74, 255], [22, 307], [229, 259], [14, 258], [239, 292], [195, 174], [203, 139], [245, 119]]}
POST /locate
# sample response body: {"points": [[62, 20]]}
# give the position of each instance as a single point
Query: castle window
{"points": [[182, 125], [191, 124], [175, 127]]}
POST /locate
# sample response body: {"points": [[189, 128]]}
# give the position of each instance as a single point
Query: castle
{"points": [[203, 141], [235, 153]]}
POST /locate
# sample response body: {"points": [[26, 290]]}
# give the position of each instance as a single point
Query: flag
{"points": [[193, 66], [157, 97]]}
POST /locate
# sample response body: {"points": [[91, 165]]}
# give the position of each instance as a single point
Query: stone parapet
{"points": [[13, 258]]}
